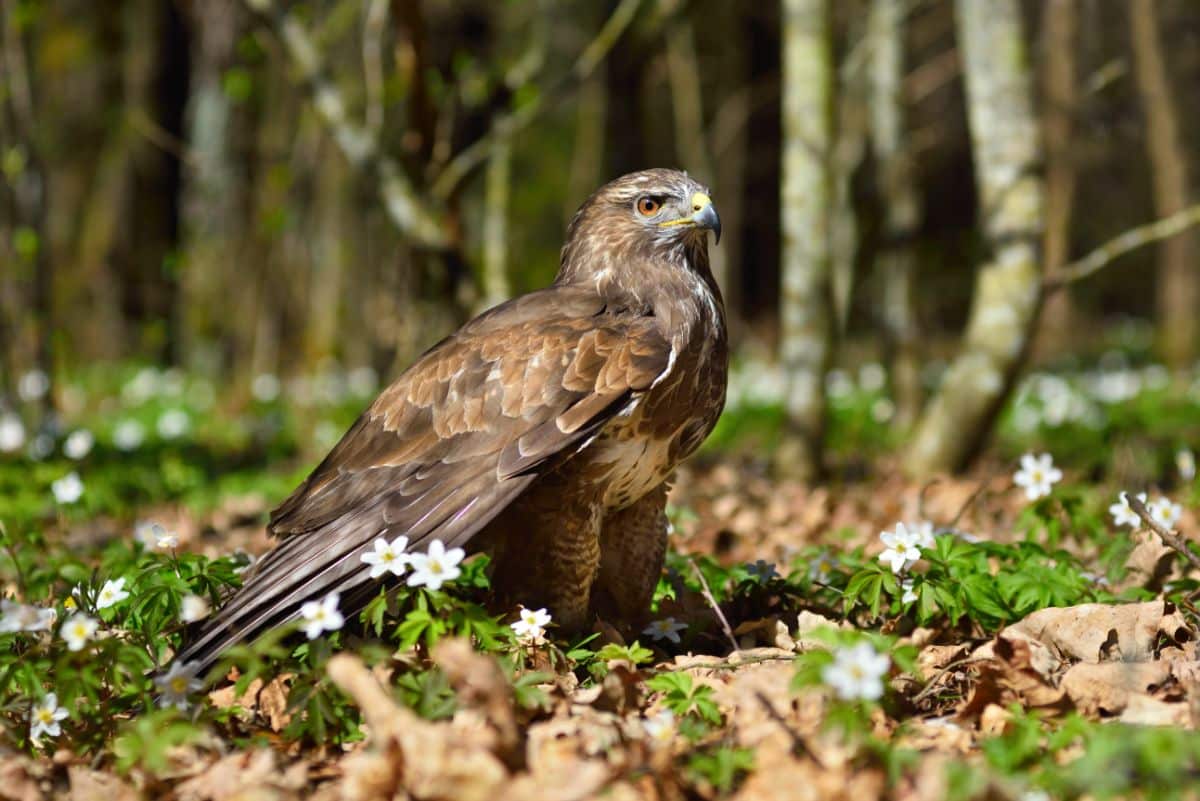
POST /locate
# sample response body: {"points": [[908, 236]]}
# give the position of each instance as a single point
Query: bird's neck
{"points": [[676, 286]]}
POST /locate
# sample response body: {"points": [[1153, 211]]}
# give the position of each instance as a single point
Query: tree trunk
{"points": [[805, 197], [497, 178], [687, 103], [1178, 276], [1058, 111], [210, 209], [898, 193], [1004, 309]]}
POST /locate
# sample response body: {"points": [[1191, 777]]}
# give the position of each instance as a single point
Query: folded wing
{"points": [[448, 446]]}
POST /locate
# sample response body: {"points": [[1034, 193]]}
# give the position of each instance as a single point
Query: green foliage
{"points": [[721, 767], [693, 704]]}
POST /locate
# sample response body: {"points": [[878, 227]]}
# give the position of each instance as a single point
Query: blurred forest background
{"points": [[258, 191]]}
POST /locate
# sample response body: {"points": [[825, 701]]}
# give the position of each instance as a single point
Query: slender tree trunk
{"points": [[1004, 309], [849, 148], [29, 202], [687, 103], [497, 180], [896, 262], [1178, 273], [805, 198], [210, 208], [1058, 110], [587, 155]]}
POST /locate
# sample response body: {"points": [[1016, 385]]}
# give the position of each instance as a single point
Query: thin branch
{"points": [[506, 125], [1173, 540], [1118, 246], [410, 212], [712, 601]]}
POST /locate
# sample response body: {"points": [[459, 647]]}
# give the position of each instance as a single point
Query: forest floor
{"points": [[1019, 648]]}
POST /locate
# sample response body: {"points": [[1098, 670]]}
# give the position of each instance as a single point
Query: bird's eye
{"points": [[648, 206]]}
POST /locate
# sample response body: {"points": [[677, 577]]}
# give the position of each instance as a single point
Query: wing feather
{"points": [[449, 445]]}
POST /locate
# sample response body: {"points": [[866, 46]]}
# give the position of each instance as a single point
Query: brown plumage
{"points": [[543, 431]]}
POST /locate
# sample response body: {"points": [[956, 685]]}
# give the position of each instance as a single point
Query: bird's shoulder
{"points": [[515, 387]]}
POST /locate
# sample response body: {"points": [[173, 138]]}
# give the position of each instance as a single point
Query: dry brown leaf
{"points": [[1149, 564], [22, 779], [1105, 689], [92, 785], [1102, 632], [428, 760], [246, 774], [1011, 675], [481, 684]]}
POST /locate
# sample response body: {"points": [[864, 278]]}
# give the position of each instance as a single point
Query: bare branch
{"points": [[410, 212], [506, 125], [1118, 246], [1173, 540], [712, 601]]}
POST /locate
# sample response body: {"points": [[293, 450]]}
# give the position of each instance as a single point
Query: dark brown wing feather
{"points": [[449, 445]]}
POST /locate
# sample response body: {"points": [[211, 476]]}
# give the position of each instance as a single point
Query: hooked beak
{"points": [[704, 216]]}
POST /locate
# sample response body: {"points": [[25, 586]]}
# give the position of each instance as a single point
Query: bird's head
{"points": [[650, 217]]}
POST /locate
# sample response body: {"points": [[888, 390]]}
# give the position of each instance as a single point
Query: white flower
{"points": [[903, 548], [660, 728], [910, 594], [78, 629], [40, 446], [265, 387], [387, 557], [153, 535], [922, 533], [531, 625], [762, 571], [23, 617], [12, 433], [173, 423], [177, 683], [1165, 513], [820, 568], [193, 608], [128, 435], [1122, 513], [1185, 463], [857, 672], [44, 718], [321, 616], [78, 444], [436, 567], [33, 385], [666, 629], [1037, 475], [112, 593], [67, 489]]}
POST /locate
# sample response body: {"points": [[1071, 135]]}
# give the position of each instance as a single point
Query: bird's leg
{"points": [[549, 551], [633, 545]]}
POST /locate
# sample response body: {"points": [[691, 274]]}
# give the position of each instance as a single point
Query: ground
{"points": [[998, 646]]}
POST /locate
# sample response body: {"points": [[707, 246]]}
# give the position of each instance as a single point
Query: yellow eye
{"points": [[648, 206]]}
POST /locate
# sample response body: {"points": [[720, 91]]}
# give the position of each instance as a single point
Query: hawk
{"points": [[542, 432]]}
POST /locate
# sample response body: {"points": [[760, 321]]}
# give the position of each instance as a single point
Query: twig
{"points": [[408, 210], [928, 485], [505, 126], [1173, 540], [931, 685], [970, 501], [1118, 246], [799, 746], [708, 596]]}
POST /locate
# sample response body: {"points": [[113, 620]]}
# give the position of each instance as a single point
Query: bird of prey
{"points": [[543, 431]]}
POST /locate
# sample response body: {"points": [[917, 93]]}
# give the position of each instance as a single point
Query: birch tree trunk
{"points": [[805, 197], [897, 189], [1178, 274], [1004, 139]]}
